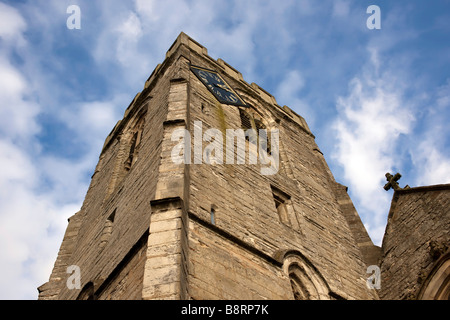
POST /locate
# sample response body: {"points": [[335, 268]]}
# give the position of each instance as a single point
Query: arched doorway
{"points": [[437, 284]]}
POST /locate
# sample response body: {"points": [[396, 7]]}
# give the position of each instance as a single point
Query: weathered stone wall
{"points": [[165, 268], [125, 281], [243, 199], [220, 268], [419, 219], [371, 254]]}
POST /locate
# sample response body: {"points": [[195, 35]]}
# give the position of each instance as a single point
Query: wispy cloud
{"points": [[370, 121], [17, 114], [12, 24], [431, 156]]}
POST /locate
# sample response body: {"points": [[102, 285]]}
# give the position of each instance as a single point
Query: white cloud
{"points": [[96, 118], [148, 9], [379, 129], [12, 24], [431, 156], [16, 113], [370, 120], [129, 33], [18, 165], [433, 166], [31, 225], [17, 116]]}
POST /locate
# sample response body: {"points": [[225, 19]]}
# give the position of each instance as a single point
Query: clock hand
{"points": [[222, 86]]}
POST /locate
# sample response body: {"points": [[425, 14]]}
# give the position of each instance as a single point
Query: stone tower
{"points": [[174, 212]]}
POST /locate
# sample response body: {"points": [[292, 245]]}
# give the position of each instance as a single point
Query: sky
{"points": [[377, 100]]}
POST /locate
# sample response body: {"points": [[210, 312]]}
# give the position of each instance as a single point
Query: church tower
{"points": [[208, 189]]}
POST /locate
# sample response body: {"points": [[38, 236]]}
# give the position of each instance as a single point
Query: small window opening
{"points": [[213, 216], [112, 216], [281, 200], [107, 230], [131, 155], [246, 121], [263, 135]]}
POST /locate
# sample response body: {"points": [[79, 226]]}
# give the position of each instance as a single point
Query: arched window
{"points": [[298, 289], [256, 130], [302, 285], [306, 282], [129, 146], [135, 142], [87, 293]]}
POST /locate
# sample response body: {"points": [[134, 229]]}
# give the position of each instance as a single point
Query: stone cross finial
{"points": [[392, 182]]}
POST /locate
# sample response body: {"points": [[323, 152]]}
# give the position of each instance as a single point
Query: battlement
{"points": [[219, 64]]}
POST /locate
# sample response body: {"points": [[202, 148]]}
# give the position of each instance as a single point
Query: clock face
{"points": [[218, 87]]}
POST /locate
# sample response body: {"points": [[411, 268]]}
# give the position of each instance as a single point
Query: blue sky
{"points": [[376, 100]]}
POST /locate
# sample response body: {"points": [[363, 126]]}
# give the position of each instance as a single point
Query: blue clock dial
{"points": [[217, 86]]}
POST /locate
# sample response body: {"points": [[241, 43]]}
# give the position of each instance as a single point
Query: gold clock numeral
{"points": [[211, 88], [203, 74], [217, 78], [224, 87], [232, 98]]}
